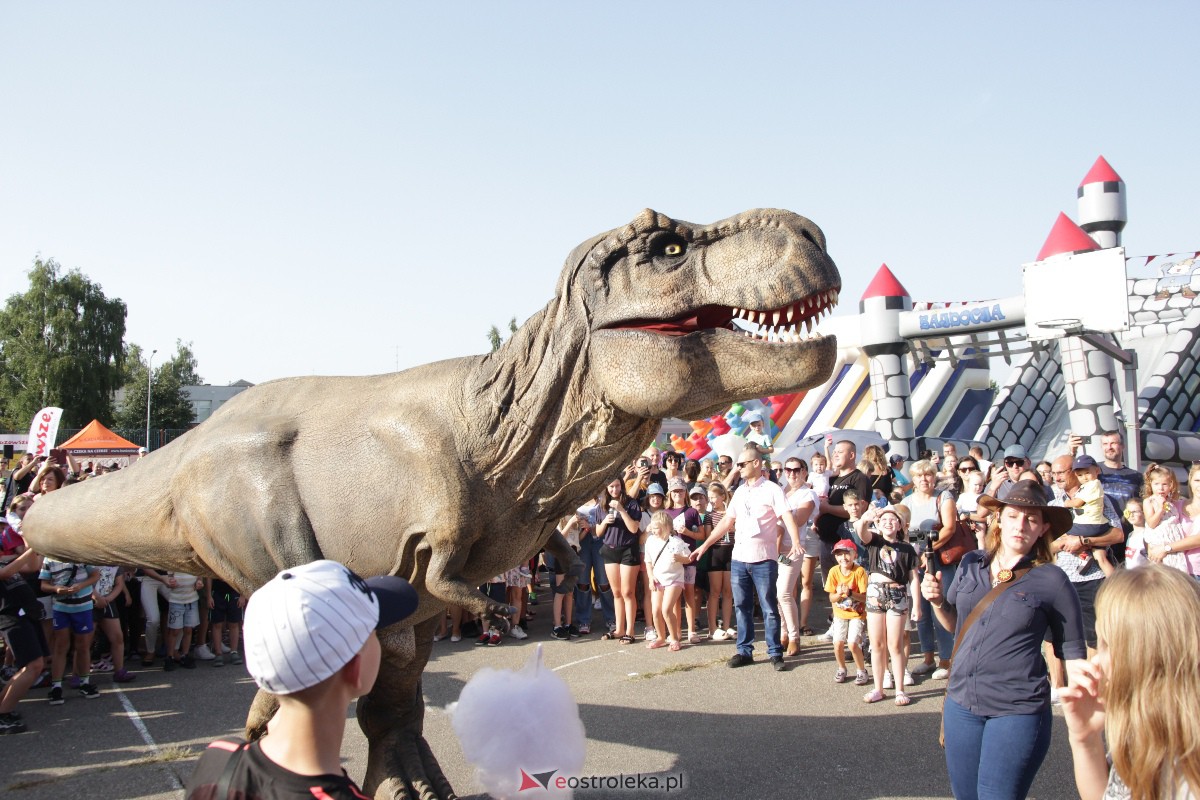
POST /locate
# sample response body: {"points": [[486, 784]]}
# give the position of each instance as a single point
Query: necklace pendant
{"points": [[1003, 576]]}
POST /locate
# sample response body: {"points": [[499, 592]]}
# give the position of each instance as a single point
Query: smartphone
{"points": [[59, 456], [783, 559]]}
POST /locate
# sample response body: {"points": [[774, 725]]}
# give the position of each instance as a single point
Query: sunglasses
{"points": [[1013, 462], [968, 468], [744, 463], [793, 470]]}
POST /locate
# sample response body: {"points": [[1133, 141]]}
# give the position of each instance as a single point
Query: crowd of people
{"points": [[999, 568]]}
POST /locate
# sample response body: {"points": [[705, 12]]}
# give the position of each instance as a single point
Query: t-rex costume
{"points": [[450, 473]]}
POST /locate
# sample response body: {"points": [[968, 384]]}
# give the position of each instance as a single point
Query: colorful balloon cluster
{"points": [[776, 410]]}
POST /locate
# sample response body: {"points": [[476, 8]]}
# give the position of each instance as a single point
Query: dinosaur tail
{"points": [[114, 519]]}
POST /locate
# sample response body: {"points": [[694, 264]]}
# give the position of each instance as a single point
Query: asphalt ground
{"points": [[748, 732]]}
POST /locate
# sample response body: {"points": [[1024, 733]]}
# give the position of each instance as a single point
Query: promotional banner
{"points": [[44, 431]]}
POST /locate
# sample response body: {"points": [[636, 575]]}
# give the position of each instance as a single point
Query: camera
{"points": [[927, 533], [643, 462]]}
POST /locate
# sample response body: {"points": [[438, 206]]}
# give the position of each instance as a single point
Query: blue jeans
{"points": [[929, 629], [994, 758], [747, 581], [589, 554]]}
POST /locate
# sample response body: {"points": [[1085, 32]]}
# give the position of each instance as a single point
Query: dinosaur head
{"points": [[685, 319]]}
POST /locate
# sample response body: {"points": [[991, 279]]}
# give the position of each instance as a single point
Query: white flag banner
{"points": [[44, 431]]}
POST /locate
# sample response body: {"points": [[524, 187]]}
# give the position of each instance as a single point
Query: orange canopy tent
{"points": [[97, 440]]}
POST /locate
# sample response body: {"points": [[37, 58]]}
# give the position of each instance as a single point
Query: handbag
{"points": [[974, 616], [962, 541]]}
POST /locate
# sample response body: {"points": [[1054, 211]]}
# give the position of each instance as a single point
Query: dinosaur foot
{"points": [[401, 766]]}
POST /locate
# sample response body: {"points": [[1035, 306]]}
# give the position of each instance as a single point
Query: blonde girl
{"points": [[1189, 545], [720, 591], [1140, 692], [1135, 545], [1164, 516], [666, 555]]}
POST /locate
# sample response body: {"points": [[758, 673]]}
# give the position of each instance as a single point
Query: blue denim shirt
{"points": [[998, 669]]}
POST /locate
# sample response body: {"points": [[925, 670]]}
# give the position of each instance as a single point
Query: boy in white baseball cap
{"points": [[310, 640]]}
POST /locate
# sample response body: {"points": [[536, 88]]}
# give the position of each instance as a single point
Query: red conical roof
{"points": [[1100, 172], [1066, 237], [884, 284]]}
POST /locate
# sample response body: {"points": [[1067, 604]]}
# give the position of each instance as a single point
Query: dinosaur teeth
{"points": [[791, 312], [775, 317]]}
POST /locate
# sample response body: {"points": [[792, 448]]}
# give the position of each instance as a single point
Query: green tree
{"points": [[494, 337], [61, 344], [169, 404]]}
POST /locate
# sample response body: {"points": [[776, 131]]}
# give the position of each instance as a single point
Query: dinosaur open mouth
{"points": [[792, 323]]}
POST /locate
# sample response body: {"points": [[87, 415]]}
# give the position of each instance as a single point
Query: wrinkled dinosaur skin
{"points": [[449, 473]]}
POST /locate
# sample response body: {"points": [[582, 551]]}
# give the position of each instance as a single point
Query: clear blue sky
{"points": [[302, 188]]}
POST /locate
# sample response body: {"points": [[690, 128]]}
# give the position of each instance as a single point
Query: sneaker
{"points": [[56, 696], [777, 663], [518, 632], [11, 724], [89, 691], [483, 639], [7, 673], [596, 604], [494, 638], [123, 676], [731, 633], [204, 653], [861, 679], [169, 664], [454, 637], [585, 630], [924, 668], [187, 662], [719, 635], [225, 649], [219, 662], [839, 676], [739, 660], [235, 658], [651, 634], [827, 636], [888, 683], [940, 674], [102, 665], [908, 678], [573, 631], [43, 680], [560, 632]]}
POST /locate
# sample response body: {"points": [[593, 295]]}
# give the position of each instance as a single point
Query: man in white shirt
{"points": [[755, 513]]}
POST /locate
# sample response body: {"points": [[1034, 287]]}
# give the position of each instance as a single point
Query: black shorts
{"points": [[1087, 605], [722, 558], [630, 556], [25, 637], [110, 611], [225, 609], [496, 591]]}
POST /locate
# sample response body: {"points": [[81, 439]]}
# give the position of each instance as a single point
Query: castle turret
{"points": [[879, 315], [1102, 210]]}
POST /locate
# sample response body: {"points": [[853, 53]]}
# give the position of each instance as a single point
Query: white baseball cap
{"points": [[307, 622]]}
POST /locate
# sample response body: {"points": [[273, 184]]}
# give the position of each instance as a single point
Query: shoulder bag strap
{"points": [[982, 606], [223, 785]]}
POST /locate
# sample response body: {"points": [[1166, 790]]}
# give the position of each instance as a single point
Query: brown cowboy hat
{"points": [[1030, 494]]}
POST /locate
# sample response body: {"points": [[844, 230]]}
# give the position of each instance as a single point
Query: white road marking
{"points": [[584, 660], [136, 719]]}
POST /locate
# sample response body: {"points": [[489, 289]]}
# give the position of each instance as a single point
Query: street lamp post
{"points": [[149, 384]]}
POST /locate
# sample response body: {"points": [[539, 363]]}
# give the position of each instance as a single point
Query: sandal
{"points": [[608, 637], [807, 631], [627, 639], [674, 646], [657, 643], [902, 699], [873, 696]]}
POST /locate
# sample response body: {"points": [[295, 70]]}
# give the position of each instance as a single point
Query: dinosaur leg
{"points": [[261, 710], [443, 580], [400, 765], [564, 554]]}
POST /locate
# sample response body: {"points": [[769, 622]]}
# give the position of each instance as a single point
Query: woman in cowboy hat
{"points": [[997, 713]]}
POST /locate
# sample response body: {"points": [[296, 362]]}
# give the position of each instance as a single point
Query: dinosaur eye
{"points": [[673, 249]]}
